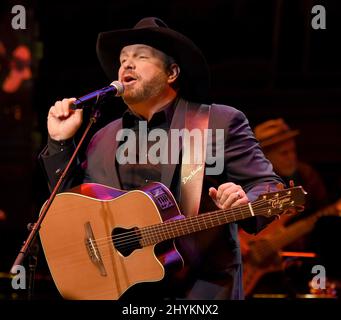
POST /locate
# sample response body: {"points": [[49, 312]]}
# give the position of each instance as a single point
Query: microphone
{"points": [[115, 88]]}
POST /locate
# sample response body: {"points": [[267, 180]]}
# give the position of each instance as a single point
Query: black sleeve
{"points": [[54, 158], [247, 166]]}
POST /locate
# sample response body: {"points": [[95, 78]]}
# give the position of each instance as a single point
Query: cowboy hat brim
{"points": [[194, 71]]}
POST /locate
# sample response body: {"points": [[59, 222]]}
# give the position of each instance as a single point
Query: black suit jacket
{"points": [[213, 256]]}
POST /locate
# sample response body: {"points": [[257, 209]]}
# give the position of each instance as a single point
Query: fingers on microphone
{"points": [[66, 103], [57, 109], [61, 109], [67, 107]]}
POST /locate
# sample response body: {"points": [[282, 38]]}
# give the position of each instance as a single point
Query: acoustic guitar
{"points": [[100, 241]]}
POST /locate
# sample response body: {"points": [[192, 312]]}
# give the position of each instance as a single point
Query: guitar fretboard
{"points": [[177, 228]]}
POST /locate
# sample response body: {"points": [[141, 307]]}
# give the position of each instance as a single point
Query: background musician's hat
{"points": [[273, 131]]}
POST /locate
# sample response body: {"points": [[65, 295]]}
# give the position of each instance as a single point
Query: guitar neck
{"points": [[172, 229], [273, 203]]}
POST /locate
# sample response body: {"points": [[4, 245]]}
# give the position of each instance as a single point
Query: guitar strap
{"points": [[194, 141]]}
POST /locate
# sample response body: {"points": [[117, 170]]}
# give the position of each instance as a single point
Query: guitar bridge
{"points": [[91, 246]]}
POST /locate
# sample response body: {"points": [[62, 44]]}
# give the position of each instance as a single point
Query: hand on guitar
{"points": [[62, 122], [228, 195]]}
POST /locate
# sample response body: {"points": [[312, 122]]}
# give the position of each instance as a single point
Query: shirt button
{"points": [[58, 172]]}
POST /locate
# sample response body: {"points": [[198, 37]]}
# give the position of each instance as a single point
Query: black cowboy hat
{"points": [[194, 71]]}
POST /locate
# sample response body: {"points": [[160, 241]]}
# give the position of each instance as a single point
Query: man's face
{"points": [[283, 157], [143, 73]]}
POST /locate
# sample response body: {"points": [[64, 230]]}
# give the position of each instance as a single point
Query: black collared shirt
{"points": [[135, 175]]}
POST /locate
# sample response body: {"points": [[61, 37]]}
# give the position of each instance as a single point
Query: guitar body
{"points": [[255, 263], [77, 238], [256, 266]]}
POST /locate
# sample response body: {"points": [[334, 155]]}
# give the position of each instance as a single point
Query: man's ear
{"points": [[173, 72]]}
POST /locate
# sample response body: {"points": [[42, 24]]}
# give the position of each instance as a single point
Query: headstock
{"points": [[275, 203]]}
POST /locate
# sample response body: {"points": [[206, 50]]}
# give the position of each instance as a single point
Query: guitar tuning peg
{"points": [[291, 183], [280, 186]]}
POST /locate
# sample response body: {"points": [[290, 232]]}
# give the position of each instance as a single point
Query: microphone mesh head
{"points": [[119, 87]]}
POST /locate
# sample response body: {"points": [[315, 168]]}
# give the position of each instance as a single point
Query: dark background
{"points": [[265, 60]]}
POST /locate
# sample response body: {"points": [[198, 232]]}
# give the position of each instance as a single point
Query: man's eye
{"points": [[143, 57]]}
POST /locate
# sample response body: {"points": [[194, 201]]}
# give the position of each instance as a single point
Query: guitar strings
{"points": [[131, 238], [84, 257], [191, 222], [194, 221], [80, 258], [127, 234], [153, 236], [260, 249]]}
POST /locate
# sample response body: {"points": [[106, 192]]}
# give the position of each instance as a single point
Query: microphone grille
{"points": [[119, 87]]}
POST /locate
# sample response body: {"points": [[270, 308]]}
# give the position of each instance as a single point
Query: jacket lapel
{"points": [[178, 123], [110, 160]]}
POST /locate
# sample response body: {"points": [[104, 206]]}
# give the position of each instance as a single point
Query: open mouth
{"points": [[129, 80]]}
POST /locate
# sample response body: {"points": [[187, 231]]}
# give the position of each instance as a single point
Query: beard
{"points": [[143, 90]]}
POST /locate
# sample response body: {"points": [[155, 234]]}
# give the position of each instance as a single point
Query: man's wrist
{"points": [[55, 146]]}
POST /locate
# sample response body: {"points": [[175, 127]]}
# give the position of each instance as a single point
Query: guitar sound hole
{"points": [[126, 240]]}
